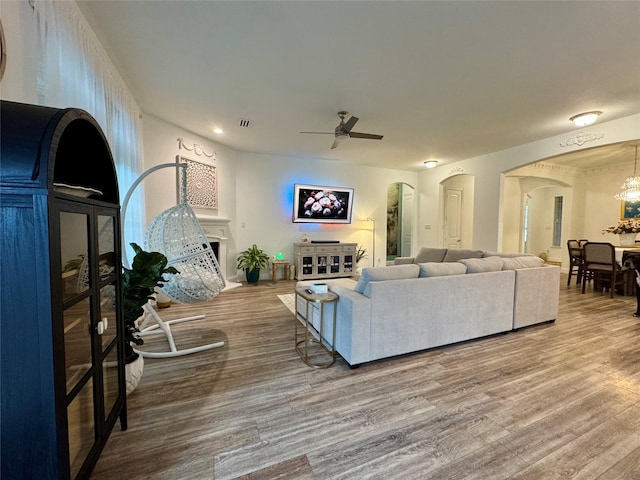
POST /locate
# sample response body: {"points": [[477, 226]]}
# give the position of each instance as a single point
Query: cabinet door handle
{"points": [[105, 321], [101, 326]]}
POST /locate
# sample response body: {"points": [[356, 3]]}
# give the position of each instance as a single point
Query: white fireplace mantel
{"points": [[217, 230]]}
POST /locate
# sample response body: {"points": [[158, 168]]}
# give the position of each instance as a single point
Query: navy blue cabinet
{"points": [[61, 332]]}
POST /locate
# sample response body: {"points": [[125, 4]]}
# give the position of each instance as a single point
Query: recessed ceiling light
{"points": [[586, 118], [218, 131], [430, 163]]}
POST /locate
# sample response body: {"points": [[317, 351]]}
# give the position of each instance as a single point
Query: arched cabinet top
{"points": [[60, 150]]}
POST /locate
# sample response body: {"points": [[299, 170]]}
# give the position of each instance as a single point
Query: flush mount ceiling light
{"points": [[430, 163], [631, 186], [586, 118], [218, 131]]}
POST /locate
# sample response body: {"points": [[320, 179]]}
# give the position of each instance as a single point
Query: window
{"points": [[557, 221]]}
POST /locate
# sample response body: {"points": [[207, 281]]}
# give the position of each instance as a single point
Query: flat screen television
{"points": [[321, 204]]}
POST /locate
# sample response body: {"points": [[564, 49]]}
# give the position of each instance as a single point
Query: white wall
{"points": [[488, 172], [541, 211], [264, 198], [255, 191], [160, 187], [21, 34]]}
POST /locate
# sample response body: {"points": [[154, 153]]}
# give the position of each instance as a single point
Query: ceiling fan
{"points": [[343, 130]]}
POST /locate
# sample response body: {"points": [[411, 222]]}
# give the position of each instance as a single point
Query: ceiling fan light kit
{"points": [[343, 130]]}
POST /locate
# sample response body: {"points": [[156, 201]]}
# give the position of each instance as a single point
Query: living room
{"points": [[255, 203], [496, 222]]}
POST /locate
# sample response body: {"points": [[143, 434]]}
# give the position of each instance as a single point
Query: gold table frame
{"points": [[302, 346]]}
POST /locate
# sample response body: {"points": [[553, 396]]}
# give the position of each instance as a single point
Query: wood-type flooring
{"points": [[554, 401]]}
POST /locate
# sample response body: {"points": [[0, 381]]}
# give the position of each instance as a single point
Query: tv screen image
{"points": [[321, 204]]}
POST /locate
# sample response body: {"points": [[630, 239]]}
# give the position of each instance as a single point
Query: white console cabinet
{"points": [[324, 260]]}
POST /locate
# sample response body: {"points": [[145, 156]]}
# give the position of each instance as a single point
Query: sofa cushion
{"points": [[393, 272], [507, 254], [479, 265], [453, 254], [403, 260], [515, 263], [430, 255], [441, 269]]}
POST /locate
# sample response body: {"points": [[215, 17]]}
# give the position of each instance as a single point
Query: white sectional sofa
{"points": [[417, 305]]}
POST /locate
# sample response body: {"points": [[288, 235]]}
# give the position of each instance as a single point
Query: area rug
{"points": [[289, 301]]}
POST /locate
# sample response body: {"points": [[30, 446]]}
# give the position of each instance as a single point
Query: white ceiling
{"points": [[443, 80]]}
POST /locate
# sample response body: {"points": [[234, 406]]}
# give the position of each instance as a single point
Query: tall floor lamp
{"points": [[373, 238]]}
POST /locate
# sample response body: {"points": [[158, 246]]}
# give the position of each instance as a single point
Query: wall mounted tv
{"points": [[319, 204]]}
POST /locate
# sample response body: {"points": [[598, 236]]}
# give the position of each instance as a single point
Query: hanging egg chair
{"points": [[177, 234]]}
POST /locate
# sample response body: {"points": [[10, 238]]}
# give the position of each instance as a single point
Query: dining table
{"points": [[629, 287], [620, 252]]}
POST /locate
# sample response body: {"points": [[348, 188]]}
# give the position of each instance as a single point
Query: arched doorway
{"points": [[457, 194], [537, 214], [400, 220]]}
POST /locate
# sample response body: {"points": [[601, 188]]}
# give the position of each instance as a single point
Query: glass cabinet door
{"points": [[78, 329], [322, 264], [74, 254], [107, 321], [106, 270]]}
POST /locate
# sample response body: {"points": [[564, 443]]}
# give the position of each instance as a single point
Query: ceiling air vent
{"points": [[245, 122]]}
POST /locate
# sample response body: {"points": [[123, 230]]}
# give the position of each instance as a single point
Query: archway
{"points": [[400, 220], [457, 205]]}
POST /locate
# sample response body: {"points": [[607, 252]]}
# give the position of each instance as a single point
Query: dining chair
{"points": [[582, 241], [600, 265], [575, 261]]}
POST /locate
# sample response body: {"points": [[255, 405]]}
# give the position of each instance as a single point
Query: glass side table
{"points": [[312, 337]]}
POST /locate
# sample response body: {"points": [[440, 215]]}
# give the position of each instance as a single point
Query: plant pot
{"points": [[162, 299], [627, 239], [133, 374], [252, 275]]}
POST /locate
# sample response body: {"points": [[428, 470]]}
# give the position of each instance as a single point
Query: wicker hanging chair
{"points": [[177, 234]]}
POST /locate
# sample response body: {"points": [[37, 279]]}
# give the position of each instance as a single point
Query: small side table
{"points": [[274, 268], [311, 335]]}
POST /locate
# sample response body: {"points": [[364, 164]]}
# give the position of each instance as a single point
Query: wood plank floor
{"points": [[555, 401]]}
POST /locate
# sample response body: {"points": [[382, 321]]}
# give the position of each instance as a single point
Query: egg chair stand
{"points": [[177, 234], [162, 326]]}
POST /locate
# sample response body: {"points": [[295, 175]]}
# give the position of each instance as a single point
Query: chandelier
{"points": [[631, 186]]}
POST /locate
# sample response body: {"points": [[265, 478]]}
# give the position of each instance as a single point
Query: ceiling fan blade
{"points": [[369, 136], [321, 133], [349, 124]]}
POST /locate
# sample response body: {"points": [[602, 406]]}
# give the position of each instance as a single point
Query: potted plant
{"points": [[138, 284], [251, 261]]}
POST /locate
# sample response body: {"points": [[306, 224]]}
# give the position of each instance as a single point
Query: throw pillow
{"points": [[453, 255], [435, 269], [393, 272], [479, 265], [430, 255], [521, 262]]}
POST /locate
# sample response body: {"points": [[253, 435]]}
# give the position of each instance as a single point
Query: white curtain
{"points": [[75, 71]]}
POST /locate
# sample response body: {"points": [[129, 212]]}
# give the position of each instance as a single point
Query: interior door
{"points": [[453, 218]]}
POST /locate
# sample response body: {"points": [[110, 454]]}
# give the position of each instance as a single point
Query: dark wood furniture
{"points": [[576, 260], [61, 340], [600, 265]]}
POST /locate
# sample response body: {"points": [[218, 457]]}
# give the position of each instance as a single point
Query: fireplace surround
{"points": [[217, 231]]}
